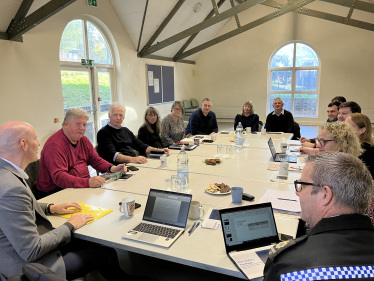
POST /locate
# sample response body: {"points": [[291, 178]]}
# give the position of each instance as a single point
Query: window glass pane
{"points": [[104, 91], [305, 56], [98, 48], [76, 89], [281, 80], [306, 80], [284, 57], [287, 100], [90, 132], [104, 122], [71, 45], [305, 105]]}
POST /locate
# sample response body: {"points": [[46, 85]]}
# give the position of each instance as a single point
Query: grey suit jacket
{"points": [[26, 234]]}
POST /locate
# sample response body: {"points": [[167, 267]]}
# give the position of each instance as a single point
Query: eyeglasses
{"points": [[177, 109], [299, 185], [322, 142], [151, 115]]}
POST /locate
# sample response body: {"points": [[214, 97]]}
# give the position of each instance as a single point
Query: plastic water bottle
{"points": [[239, 135], [182, 163]]}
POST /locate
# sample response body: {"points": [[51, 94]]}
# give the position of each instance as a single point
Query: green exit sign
{"points": [[92, 3]]}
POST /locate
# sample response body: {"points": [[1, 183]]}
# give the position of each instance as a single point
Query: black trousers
{"points": [[82, 257]]}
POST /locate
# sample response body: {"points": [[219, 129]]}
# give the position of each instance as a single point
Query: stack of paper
{"points": [[294, 143], [286, 202]]}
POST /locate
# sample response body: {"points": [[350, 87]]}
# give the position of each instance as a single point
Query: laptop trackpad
{"points": [[148, 237]]}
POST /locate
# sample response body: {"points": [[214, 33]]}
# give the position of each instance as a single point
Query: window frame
{"points": [[94, 70], [293, 70]]}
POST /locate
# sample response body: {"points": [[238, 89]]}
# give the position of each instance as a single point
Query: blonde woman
{"points": [[336, 137], [172, 125], [248, 118]]}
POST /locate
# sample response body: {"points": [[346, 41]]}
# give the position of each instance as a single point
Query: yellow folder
{"points": [[96, 212]]}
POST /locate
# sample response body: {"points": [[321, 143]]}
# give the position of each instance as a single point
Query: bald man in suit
{"points": [[26, 234]]}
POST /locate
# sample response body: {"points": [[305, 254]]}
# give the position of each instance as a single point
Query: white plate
{"points": [[218, 193], [211, 164]]}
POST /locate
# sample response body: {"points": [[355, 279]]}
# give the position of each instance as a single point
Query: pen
{"points": [[287, 199], [194, 228]]}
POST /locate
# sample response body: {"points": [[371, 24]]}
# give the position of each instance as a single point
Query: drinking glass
{"points": [[245, 141], [173, 183], [220, 150], [233, 151], [168, 185]]}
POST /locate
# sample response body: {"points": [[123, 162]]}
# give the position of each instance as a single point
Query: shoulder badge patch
{"points": [[282, 246]]}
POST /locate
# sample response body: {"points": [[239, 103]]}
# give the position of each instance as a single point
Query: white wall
{"points": [[235, 70], [30, 82]]}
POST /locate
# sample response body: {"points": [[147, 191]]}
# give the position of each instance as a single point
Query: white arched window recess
{"points": [[294, 76], [88, 86]]}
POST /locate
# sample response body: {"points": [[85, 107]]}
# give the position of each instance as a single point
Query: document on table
{"points": [[282, 201], [274, 166], [212, 219], [249, 262], [293, 143]]}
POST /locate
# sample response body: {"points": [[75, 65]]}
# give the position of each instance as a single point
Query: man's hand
{"points": [[96, 181], [139, 159], [212, 133], [80, 220], [166, 150], [304, 139], [121, 168], [63, 208], [307, 150]]}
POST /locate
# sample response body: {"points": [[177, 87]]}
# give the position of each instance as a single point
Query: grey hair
{"points": [[114, 105], [346, 175], [207, 99], [74, 113], [278, 98]]}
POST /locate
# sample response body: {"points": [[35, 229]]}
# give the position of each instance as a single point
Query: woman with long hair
{"points": [[149, 132], [247, 117]]}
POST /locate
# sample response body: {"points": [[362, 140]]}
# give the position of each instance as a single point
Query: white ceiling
{"points": [[130, 12]]}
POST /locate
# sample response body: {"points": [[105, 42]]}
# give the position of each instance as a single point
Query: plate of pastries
{"points": [[218, 189], [213, 161]]}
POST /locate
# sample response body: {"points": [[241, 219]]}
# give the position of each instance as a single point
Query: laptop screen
{"points": [[272, 148], [167, 207], [249, 226]]}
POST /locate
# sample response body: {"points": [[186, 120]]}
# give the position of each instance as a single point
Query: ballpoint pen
{"points": [[287, 199], [194, 228], [189, 232]]}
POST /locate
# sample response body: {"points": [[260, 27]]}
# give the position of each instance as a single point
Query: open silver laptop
{"points": [[249, 232], [280, 157], [164, 219]]}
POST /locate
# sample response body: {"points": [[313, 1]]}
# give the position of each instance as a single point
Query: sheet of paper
{"points": [[274, 166], [150, 78], [293, 143], [286, 201], [249, 263], [212, 219], [157, 85]]}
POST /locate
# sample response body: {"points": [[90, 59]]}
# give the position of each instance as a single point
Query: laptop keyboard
{"points": [[282, 157], [157, 230]]}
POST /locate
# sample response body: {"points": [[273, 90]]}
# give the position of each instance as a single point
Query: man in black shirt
{"points": [[203, 121], [116, 143], [334, 190], [280, 120]]}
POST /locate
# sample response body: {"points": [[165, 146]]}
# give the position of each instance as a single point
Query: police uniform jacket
{"points": [[337, 246]]}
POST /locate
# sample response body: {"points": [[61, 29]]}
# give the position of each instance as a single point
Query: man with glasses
{"points": [[116, 144], [203, 121], [280, 120], [334, 190]]}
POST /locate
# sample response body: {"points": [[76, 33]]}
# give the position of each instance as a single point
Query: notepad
{"points": [[96, 212]]}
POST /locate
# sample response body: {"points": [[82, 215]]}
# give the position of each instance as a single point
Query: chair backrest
{"points": [[32, 170], [194, 103], [296, 131], [186, 104]]}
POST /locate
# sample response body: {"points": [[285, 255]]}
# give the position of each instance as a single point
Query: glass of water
{"points": [[245, 141], [220, 150], [168, 185], [173, 183]]}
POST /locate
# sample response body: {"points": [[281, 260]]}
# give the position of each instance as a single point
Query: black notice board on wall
{"points": [[160, 84]]}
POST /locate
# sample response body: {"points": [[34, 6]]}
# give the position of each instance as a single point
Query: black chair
{"points": [[32, 170], [296, 131], [36, 272]]}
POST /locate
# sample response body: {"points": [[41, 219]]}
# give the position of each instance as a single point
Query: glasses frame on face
{"points": [[296, 182], [321, 141], [177, 109], [152, 115]]}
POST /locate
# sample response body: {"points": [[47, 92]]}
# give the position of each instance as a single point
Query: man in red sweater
{"points": [[66, 155]]}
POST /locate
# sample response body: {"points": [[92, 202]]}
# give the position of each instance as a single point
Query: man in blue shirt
{"points": [[203, 121]]}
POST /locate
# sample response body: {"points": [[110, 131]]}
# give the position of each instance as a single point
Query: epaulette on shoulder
{"points": [[284, 245]]}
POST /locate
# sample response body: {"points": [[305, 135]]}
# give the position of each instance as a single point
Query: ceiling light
{"points": [[197, 7]]}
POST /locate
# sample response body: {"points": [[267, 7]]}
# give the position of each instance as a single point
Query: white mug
{"points": [[127, 206], [164, 160], [263, 131], [248, 130], [195, 210], [283, 147], [213, 137], [283, 168]]}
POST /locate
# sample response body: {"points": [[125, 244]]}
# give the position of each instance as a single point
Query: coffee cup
{"points": [[164, 160], [195, 210], [263, 131], [248, 130], [283, 168], [213, 137], [237, 194], [127, 206], [283, 147]]}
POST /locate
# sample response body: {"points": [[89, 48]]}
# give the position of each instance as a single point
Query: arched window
{"points": [[87, 86], [294, 70]]}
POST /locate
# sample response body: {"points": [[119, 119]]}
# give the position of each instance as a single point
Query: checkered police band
{"points": [[328, 273]]}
